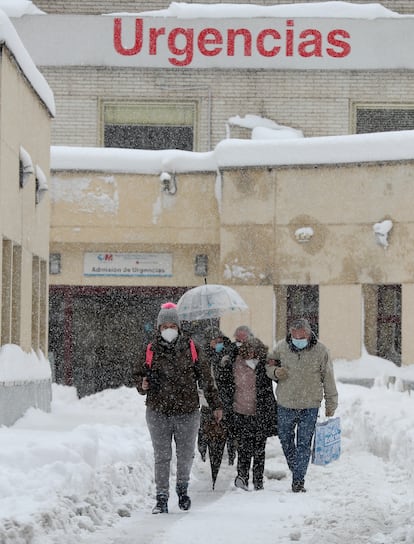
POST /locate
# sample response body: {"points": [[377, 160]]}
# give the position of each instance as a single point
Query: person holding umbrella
{"points": [[212, 437], [168, 374]]}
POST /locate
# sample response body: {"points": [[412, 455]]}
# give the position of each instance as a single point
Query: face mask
{"points": [[238, 344], [252, 363], [300, 343], [219, 347], [169, 334]]}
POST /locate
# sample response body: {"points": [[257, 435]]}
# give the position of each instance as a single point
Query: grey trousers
{"points": [[184, 429]]}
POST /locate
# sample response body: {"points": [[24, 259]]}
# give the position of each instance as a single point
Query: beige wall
{"points": [[250, 237], [343, 248], [130, 213], [24, 121], [340, 319], [259, 317]]}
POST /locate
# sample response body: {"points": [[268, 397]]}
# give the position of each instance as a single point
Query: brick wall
{"points": [[94, 7], [317, 102]]}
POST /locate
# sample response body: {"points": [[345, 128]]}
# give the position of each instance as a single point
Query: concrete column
{"points": [[340, 320], [407, 324]]}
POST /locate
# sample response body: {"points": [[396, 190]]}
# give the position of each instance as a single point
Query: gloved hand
{"points": [[225, 360], [281, 373], [329, 412]]}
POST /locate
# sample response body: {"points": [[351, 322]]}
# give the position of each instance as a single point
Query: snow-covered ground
{"points": [[83, 474]]}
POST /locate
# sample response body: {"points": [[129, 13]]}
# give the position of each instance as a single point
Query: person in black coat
{"points": [[216, 346], [254, 408]]}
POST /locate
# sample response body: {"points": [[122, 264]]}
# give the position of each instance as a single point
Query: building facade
{"points": [[162, 82], [24, 218]]}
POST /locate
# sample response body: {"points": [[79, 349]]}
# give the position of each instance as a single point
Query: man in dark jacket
{"points": [[169, 377]]}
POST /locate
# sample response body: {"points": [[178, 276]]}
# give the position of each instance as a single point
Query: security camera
{"points": [[168, 183]]}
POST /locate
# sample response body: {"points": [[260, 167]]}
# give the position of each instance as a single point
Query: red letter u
{"points": [[118, 41]]}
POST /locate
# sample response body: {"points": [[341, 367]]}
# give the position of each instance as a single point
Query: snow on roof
{"points": [[355, 148], [140, 161], [10, 38], [18, 8], [183, 10]]}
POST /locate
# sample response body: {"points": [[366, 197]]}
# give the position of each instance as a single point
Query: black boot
{"points": [[258, 485], [184, 501], [241, 483], [161, 506], [299, 486]]}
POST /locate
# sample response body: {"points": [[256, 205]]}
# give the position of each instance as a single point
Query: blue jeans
{"points": [[300, 425]]}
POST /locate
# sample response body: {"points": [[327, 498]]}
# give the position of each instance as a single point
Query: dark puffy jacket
{"points": [[223, 373], [174, 376], [266, 406]]}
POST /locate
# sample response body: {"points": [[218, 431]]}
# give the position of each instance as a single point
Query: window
{"points": [[303, 301], [389, 323], [383, 117], [149, 125]]}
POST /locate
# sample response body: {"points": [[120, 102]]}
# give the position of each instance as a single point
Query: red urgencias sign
{"points": [[181, 43]]}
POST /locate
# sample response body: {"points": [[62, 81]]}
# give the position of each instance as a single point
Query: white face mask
{"points": [[252, 363], [169, 334], [238, 344]]}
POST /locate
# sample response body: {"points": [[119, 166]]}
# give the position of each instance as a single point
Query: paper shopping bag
{"points": [[327, 442]]}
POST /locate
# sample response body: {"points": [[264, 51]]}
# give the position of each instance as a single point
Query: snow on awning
{"points": [[41, 184], [27, 166]]}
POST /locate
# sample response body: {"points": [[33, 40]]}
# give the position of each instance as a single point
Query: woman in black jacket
{"points": [[254, 408]]}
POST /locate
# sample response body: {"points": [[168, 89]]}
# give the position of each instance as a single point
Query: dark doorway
{"points": [[97, 333], [303, 301]]}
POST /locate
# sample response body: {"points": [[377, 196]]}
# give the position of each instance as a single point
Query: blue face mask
{"points": [[300, 343], [219, 347]]}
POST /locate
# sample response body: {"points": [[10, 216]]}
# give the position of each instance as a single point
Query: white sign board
{"points": [[127, 264], [301, 43]]}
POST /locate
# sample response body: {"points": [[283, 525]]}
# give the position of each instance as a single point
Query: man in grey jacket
{"points": [[303, 370]]}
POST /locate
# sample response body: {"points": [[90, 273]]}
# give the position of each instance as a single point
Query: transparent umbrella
{"points": [[209, 301]]}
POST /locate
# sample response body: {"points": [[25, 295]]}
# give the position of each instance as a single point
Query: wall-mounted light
{"points": [[168, 183], [381, 231], [201, 265], [54, 263], [304, 234]]}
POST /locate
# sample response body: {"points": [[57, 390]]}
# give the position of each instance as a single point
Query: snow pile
{"points": [[84, 474], [9, 36], [16, 365], [262, 128], [352, 148], [18, 8]]}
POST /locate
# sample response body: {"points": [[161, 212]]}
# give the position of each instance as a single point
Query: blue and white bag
{"points": [[327, 441]]}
